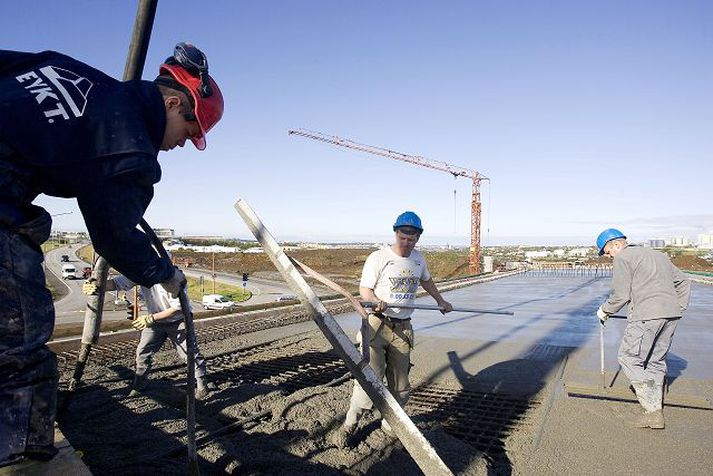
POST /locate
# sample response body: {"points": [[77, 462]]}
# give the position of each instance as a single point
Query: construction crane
{"points": [[454, 170]]}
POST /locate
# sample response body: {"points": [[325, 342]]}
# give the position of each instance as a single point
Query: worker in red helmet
{"points": [[69, 130]]}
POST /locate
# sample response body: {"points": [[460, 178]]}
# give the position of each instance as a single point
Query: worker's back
{"points": [[653, 283], [63, 124]]}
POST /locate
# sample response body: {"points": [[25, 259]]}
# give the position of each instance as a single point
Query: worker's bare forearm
{"points": [[431, 289], [166, 314], [367, 294]]}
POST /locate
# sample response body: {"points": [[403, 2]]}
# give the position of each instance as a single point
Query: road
{"points": [[263, 290], [71, 308]]}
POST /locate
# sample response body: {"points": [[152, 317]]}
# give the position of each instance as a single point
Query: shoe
{"points": [[204, 388], [40, 453], [139, 385], [654, 420], [342, 437], [140, 382]]}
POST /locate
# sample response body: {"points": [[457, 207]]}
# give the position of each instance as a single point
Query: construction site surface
{"points": [[490, 393]]}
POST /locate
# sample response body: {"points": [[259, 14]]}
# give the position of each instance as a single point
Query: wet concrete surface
{"points": [[553, 335], [559, 312]]}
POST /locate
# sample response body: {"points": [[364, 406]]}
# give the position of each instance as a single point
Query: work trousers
{"points": [[644, 347], [152, 339], [390, 347], [28, 369]]}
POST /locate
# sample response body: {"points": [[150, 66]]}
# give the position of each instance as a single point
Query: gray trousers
{"points": [[644, 347], [28, 369], [152, 339], [389, 355]]}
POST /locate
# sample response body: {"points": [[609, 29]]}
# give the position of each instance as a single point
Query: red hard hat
{"points": [[208, 110]]}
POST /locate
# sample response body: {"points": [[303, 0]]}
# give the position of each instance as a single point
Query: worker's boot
{"points": [[343, 436], [650, 397], [139, 385], [203, 388]]}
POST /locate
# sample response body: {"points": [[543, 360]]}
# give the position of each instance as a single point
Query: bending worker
{"points": [[164, 321], [392, 275], [69, 130], [656, 293]]}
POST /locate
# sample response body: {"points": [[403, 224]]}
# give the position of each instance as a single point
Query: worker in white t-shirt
{"points": [[392, 275], [163, 321]]}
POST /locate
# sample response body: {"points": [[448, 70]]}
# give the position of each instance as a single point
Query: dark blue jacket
{"points": [[69, 130]]}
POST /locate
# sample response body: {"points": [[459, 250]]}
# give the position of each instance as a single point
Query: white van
{"points": [[286, 297], [216, 301], [69, 271]]}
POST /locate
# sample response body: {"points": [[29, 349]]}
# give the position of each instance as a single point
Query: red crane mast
{"points": [[454, 170]]}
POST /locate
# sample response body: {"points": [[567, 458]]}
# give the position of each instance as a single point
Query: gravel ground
{"points": [[300, 434]]}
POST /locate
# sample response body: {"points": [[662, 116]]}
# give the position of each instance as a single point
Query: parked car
{"points": [[286, 297], [216, 301], [65, 259], [69, 272]]}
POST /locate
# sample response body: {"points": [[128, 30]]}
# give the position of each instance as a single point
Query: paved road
{"points": [[71, 308]]}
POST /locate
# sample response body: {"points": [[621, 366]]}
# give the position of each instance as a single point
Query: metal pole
{"points": [[190, 357], [92, 323], [413, 440], [430, 307], [135, 60]]}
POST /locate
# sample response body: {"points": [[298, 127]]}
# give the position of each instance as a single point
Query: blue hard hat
{"points": [[606, 236], [408, 219]]}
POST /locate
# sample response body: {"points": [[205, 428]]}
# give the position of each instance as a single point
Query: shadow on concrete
{"points": [[524, 377]]}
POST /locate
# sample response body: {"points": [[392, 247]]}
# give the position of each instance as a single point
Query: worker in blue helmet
{"points": [[656, 293], [392, 275]]}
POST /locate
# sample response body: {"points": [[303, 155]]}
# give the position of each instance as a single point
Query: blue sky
{"points": [[583, 114]]}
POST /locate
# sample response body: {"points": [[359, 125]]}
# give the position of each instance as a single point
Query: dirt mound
{"points": [[692, 263], [345, 263]]}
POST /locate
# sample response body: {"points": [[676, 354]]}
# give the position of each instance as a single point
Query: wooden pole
{"points": [[411, 437]]}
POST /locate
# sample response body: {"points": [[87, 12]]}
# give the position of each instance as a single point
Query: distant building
{"points": [[536, 254], [580, 251], [164, 233], [705, 241], [657, 243], [680, 241]]}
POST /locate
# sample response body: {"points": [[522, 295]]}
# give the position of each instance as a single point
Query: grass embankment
{"points": [[233, 293], [86, 253], [344, 263]]}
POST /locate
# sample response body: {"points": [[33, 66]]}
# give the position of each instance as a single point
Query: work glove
{"points": [[173, 285], [147, 320], [89, 287], [603, 316]]}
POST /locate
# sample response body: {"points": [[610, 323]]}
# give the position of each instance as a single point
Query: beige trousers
{"points": [[389, 355]]}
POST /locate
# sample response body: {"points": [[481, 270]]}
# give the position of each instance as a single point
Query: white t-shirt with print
{"points": [[394, 279], [156, 298]]}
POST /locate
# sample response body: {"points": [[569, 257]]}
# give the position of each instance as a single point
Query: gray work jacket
{"points": [[649, 283]]}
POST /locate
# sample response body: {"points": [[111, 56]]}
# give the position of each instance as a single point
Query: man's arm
{"points": [[431, 289], [112, 209], [683, 288], [367, 294], [620, 288]]}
